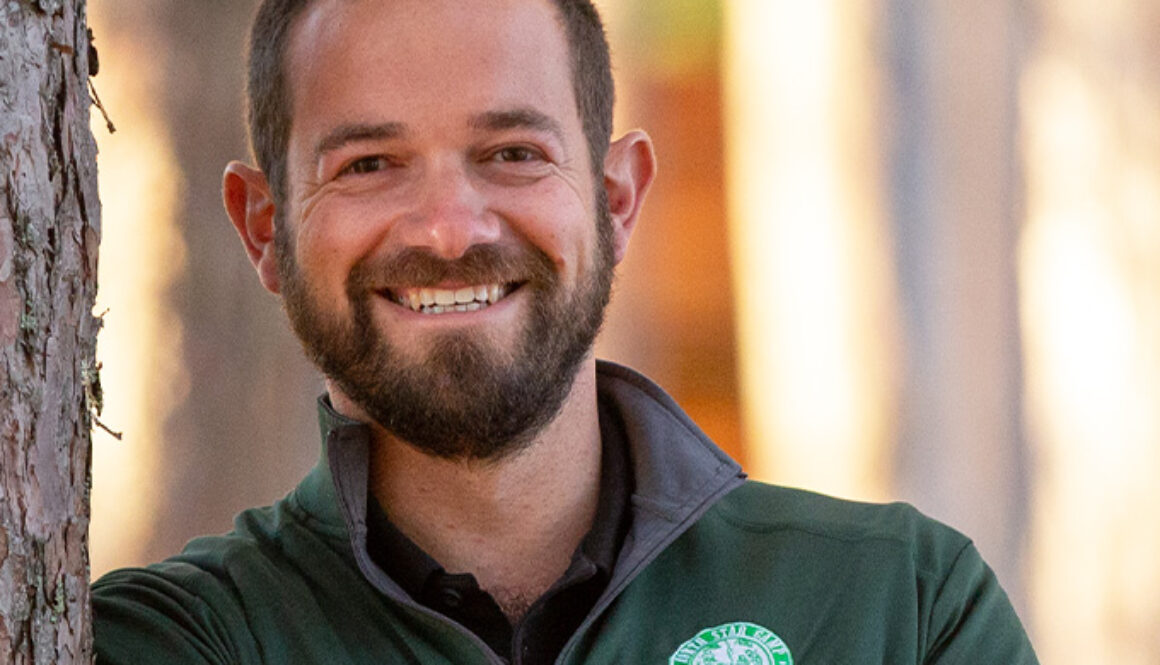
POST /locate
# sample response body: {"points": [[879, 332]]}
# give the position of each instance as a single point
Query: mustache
{"points": [[480, 264]]}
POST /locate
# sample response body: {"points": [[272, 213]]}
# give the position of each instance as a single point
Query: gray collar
{"points": [[678, 474]]}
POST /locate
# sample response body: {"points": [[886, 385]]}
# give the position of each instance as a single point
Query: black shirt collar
{"points": [[412, 568]]}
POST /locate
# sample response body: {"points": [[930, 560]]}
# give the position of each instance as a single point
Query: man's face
{"points": [[444, 255]]}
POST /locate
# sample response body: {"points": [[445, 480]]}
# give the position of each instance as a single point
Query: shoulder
{"points": [[184, 607], [837, 580], [829, 544], [838, 532], [758, 507], [881, 558], [263, 541], [200, 605]]}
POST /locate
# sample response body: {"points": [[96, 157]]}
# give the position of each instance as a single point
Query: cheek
{"points": [[336, 233], [556, 221]]}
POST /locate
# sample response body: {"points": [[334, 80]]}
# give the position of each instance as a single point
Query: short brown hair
{"points": [[268, 88]]}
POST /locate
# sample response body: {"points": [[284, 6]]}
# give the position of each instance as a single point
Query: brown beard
{"points": [[464, 400]]}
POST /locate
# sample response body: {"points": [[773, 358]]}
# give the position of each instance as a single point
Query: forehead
{"points": [[404, 57]]}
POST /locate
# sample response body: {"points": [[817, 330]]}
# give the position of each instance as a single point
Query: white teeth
{"points": [[438, 301], [465, 295]]}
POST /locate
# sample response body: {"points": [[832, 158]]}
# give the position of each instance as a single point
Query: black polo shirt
{"points": [[557, 614]]}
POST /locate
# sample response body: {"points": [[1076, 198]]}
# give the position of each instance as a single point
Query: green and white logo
{"points": [[737, 643]]}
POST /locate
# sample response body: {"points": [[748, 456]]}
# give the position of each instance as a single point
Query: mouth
{"points": [[428, 300]]}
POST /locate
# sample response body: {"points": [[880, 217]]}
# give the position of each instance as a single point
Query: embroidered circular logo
{"points": [[737, 643]]}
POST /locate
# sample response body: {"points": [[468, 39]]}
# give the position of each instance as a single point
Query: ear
{"points": [[248, 201], [629, 169]]}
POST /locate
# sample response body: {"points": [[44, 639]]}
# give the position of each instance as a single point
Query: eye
{"points": [[364, 165], [516, 153]]}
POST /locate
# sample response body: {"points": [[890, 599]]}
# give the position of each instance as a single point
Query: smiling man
{"points": [[440, 206]]}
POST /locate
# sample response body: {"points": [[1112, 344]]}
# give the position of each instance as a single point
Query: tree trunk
{"points": [[49, 231]]}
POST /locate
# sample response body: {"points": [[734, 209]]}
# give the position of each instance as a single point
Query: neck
{"points": [[514, 523]]}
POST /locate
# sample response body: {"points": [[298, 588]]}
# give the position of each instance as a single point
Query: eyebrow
{"points": [[352, 133], [520, 118]]}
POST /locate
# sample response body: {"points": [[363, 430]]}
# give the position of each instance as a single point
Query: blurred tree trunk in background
{"points": [[246, 431], [676, 324], [956, 207], [49, 231]]}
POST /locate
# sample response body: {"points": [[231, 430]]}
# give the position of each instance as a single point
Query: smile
{"points": [[446, 301]]}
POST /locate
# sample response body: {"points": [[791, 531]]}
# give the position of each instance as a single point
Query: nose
{"points": [[451, 212]]}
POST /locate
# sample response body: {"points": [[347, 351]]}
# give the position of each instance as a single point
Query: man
{"points": [[440, 208]]}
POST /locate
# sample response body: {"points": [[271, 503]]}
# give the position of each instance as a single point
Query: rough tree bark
{"points": [[49, 231]]}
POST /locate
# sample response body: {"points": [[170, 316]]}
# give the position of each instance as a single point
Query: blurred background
{"points": [[898, 250]]}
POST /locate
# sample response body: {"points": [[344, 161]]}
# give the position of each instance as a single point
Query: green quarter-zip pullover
{"points": [[713, 569]]}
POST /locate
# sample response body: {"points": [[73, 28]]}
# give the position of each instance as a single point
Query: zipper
{"points": [[653, 551]]}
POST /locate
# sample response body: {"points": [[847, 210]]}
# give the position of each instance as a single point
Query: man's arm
{"points": [[140, 616]]}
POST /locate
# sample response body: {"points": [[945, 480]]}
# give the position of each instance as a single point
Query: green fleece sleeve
{"points": [[972, 620], [140, 616]]}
